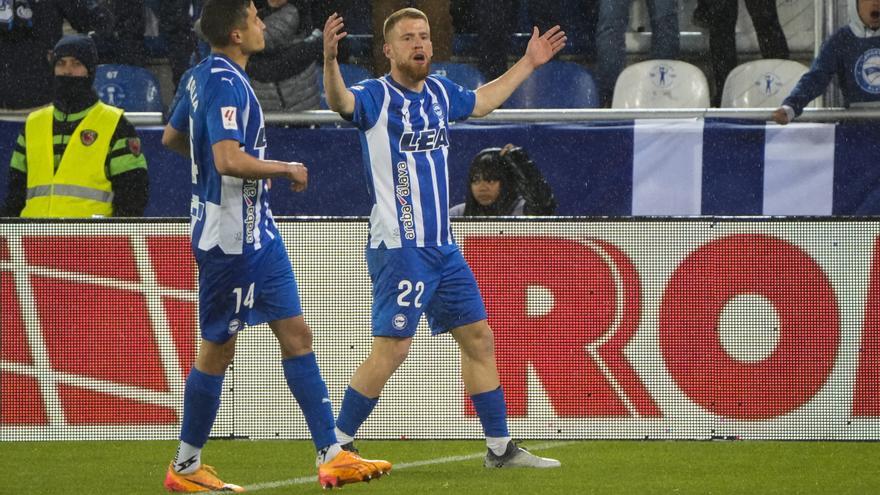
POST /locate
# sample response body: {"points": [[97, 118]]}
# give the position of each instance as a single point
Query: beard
{"points": [[414, 71]]}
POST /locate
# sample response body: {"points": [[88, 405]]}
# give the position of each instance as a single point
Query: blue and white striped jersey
{"points": [[226, 212], [405, 143]]}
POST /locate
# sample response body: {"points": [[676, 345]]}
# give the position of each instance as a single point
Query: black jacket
{"points": [[25, 72]]}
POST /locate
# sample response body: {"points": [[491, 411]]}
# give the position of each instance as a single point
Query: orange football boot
{"points": [[348, 467], [203, 480]]}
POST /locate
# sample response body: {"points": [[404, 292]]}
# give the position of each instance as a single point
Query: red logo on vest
{"points": [[88, 137], [134, 145]]}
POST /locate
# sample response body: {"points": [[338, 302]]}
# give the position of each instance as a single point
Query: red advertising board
{"points": [[679, 329]]}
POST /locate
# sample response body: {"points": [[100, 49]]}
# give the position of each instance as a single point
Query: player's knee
{"points": [[392, 352], [400, 354], [395, 356], [480, 344], [303, 340], [303, 336], [226, 356], [296, 343], [214, 358]]}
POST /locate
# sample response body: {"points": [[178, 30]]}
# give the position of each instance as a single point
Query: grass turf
{"points": [[601, 467]]}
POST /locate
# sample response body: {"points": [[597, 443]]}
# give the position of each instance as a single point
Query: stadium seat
{"points": [[661, 84], [556, 84], [466, 75], [761, 83], [351, 74], [134, 89]]}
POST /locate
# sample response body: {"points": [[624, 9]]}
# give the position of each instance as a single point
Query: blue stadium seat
{"points": [[134, 89], [466, 75], [351, 74], [557, 84]]}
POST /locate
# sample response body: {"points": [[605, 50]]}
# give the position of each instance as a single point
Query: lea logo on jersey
{"points": [[424, 140], [227, 114]]}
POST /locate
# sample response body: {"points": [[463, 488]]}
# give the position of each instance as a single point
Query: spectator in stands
{"points": [[77, 157], [505, 182], [852, 54], [128, 33], [498, 21], [611, 38], [441, 28], [288, 65], [719, 17], [28, 31], [175, 26]]}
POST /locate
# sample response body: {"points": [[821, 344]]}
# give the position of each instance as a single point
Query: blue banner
{"points": [[644, 167]]}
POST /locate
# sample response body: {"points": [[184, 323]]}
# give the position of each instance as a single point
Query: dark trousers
{"points": [[722, 35], [498, 21]]}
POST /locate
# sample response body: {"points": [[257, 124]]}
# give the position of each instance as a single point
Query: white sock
{"points": [[188, 458], [498, 445], [343, 437], [328, 454]]}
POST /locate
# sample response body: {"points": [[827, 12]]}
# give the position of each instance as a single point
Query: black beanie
{"points": [[79, 46]]}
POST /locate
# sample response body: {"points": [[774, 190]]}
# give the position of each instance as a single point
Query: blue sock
{"points": [[356, 408], [308, 388], [492, 412], [201, 400]]}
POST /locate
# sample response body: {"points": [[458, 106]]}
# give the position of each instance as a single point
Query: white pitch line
{"points": [[397, 467]]}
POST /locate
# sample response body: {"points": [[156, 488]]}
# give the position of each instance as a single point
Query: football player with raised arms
{"points": [[413, 260], [245, 277]]}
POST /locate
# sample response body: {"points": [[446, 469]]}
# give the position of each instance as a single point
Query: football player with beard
{"points": [[414, 263]]}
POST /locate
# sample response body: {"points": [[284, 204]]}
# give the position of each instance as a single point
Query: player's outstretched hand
{"points": [[333, 32], [298, 175], [543, 47]]}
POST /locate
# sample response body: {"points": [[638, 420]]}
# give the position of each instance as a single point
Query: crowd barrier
{"points": [[681, 166], [632, 328]]}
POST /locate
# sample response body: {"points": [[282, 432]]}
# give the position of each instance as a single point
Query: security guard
{"points": [[77, 157]]}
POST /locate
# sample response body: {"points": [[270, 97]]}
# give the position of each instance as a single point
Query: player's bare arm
{"points": [[231, 160], [339, 99], [175, 141], [541, 48]]}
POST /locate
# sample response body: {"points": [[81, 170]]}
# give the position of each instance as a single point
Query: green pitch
{"points": [[455, 467]]}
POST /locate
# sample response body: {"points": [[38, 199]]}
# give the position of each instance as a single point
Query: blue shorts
{"points": [[239, 290], [432, 280]]}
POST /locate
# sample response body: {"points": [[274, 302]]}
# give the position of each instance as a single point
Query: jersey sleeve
{"points": [[461, 100], [179, 118], [178, 110], [226, 100], [368, 98]]}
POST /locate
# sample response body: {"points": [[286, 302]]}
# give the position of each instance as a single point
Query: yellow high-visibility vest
{"points": [[79, 188]]}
